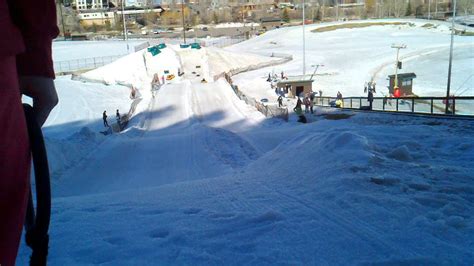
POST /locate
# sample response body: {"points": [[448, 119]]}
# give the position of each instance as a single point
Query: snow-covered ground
{"points": [[352, 57], [199, 177]]}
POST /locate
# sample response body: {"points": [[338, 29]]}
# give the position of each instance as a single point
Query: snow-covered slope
{"points": [[201, 178], [352, 57]]}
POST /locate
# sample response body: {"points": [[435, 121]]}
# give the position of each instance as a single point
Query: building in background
{"points": [[90, 4]]}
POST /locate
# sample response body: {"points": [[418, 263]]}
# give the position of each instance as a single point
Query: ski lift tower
{"points": [[397, 63]]}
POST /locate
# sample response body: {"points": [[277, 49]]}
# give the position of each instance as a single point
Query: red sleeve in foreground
{"points": [[38, 25]]}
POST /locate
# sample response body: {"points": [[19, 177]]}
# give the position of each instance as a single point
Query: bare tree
{"points": [[466, 6]]}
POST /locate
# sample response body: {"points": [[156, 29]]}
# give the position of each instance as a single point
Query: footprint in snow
{"points": [[192, 211], [159, 233]]}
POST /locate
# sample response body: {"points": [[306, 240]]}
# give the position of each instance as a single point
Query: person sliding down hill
{"points": [[299, 112], [26, 67]]}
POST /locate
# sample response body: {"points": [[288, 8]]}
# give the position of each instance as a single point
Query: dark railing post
{"points": [[351, 103], [454, 105], [360, 102], [413, 104], [431, 105], [397, 104]]}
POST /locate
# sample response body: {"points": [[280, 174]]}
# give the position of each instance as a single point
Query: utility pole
{"points": [[304, 41], [337, 10], [450, 58], [125, 33], [429, 9], [184, 24], [398, 47]]}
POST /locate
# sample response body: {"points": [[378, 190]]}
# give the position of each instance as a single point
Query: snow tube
{"points": [[195, 46], [37, 225]]}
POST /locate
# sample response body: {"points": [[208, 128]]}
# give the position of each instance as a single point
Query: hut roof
{"points": [[404, 76]]}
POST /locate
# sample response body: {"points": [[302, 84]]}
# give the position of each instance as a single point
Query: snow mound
{"points": [[400, 153], [230, 148], [136, 69], [318, 155], [67, 153]]}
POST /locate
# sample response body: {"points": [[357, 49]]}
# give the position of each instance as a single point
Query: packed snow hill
{"points": [[200, 177]]}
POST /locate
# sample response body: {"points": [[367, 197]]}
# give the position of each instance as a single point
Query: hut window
{"points": [[406, 82]]}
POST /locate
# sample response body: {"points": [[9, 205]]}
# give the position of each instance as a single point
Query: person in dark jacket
{"points": [[370, 98], [104, 117], [117, 116], [311, 105], [27, 29], [280, 101]]}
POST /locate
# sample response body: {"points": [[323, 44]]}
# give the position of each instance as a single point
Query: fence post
{"points": [[413, 104], [351, 103], [95, 66], [397, 104], [431, 105], [360, 102], [454, 106]]}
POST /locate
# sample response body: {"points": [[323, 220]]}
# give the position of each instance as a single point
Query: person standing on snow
{"points": [[117, 116], [306, 104], [104, 117], [299, 112], [26, 67], [370, 98], [280, 101], [311, 102]]}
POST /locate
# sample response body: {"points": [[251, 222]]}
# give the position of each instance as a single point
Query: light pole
{"points": [[304, 41], [125, 33], [184, 26], [398, 47], [450, 58]]}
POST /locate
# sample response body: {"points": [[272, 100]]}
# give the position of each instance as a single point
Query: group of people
{"points": [[117, 116]]}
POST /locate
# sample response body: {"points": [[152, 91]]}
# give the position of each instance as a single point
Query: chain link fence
{"points": [[69, 66], [267, 110]]}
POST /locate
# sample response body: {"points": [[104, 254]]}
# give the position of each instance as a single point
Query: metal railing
{"points": [[458, 106], [83, 64]]}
